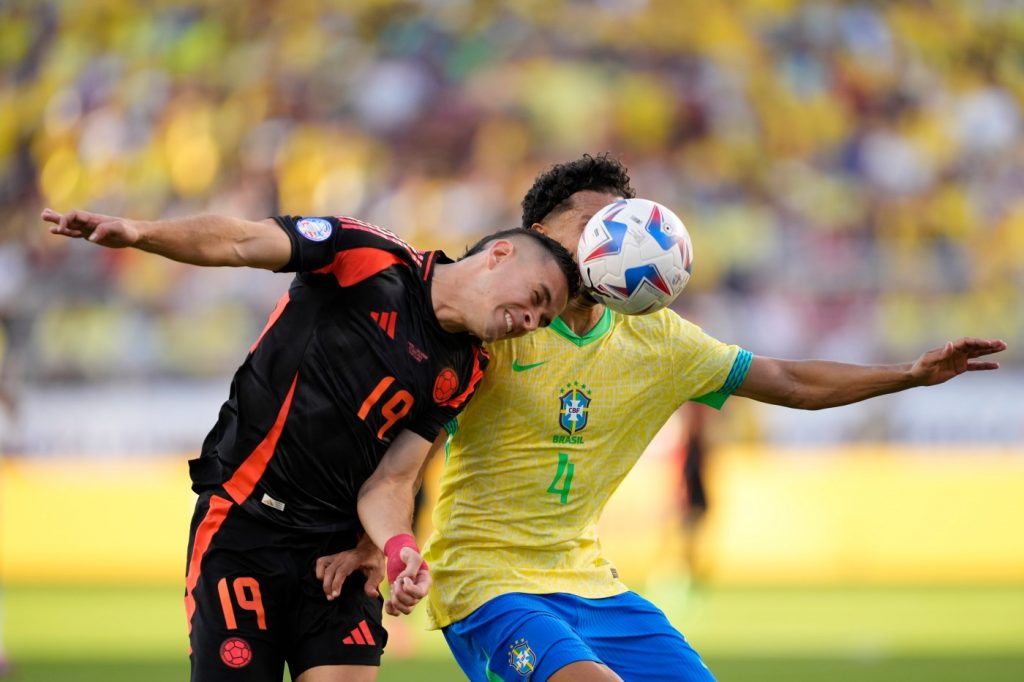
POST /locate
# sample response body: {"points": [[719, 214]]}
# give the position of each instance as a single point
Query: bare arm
{"points": [[385, 507], [386, 498], [198, 240], [817, 384], [332, 570]]}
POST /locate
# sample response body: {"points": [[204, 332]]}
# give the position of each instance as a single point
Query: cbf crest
{"points": [[574, 410], [521, 657]]}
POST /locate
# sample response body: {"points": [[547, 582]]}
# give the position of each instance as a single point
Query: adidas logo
{"points": [[386, 321], [360, 635]]}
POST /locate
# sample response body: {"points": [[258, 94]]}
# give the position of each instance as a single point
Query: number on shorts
{"points": [[247, 594]]}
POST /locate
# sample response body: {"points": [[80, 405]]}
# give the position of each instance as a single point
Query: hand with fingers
{"points": [[956, 357], [109, 231], [334, 569], [408, 574], [410, 586]]}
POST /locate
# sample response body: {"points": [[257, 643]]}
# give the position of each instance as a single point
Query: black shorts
{"points": [[254, 602]]}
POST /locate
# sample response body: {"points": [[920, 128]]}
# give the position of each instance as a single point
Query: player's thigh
{"points": [[636, 640], [236, 659], [230, 632], [236, 597], [585, 671], [339, 673], [513, 637]]}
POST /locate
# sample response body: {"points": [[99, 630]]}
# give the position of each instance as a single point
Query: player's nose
{"points": [[530, 318]]}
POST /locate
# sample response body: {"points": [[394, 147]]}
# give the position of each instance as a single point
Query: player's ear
{"points": [[499, 250], [539, 227]]}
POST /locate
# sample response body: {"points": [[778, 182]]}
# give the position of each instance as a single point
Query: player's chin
{"points": [[488, 336]]}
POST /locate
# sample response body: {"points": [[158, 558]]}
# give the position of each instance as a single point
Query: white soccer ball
{"points": [[635, 256]]}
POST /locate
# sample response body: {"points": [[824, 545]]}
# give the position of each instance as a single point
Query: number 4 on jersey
{"points": [[565, 469]]}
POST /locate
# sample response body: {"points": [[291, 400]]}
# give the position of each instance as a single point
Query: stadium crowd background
{"points": [[852, 173]]}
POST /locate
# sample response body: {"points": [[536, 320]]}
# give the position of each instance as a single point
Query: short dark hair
{"points": [[559, 253], [551, 190]]}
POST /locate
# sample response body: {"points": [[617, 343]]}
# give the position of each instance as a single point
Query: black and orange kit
{"points": [[352, 355]]}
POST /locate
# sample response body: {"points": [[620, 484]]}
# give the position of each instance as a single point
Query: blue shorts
{"points": [[528, 637]]}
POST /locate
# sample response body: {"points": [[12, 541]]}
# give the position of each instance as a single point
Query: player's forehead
{"points": [[537, 273], [587, 202], [543, 272]]}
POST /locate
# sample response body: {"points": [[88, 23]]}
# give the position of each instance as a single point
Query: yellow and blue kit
{"points": [[556, 424]]}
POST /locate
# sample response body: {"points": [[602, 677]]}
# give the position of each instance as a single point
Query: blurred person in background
{"points": [[370, 352], [521, 588], [692, 451]]}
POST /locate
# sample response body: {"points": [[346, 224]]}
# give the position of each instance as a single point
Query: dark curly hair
{"points": [[557, 252], [551, 190]]}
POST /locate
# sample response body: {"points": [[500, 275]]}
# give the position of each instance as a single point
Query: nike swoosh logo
{"points": [[516, 367]]}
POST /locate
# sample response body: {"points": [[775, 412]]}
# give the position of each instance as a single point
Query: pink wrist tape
{"points": [[393, 551]]}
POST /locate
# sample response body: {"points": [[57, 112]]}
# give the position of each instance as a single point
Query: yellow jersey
{"points": [[555, 425]]}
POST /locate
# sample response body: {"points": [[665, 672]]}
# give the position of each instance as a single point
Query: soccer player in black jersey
{"points": [[370, 352]]}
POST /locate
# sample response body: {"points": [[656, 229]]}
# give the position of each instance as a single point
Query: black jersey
{"points": [[352, 355]]}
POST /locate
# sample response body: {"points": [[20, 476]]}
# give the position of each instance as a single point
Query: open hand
{"points": [[942, 364]]}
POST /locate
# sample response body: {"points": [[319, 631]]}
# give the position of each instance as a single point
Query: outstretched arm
{"points": [[817, 384], [197, 240]]}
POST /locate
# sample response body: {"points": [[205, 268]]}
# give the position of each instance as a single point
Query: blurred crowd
{"points": [[852, 174]]}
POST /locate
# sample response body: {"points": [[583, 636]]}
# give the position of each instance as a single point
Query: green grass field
{"points": [[726, 669], [951, 634]]}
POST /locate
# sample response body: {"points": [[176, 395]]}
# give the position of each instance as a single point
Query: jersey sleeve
{"points": [[737, 373], [708, 371], [315, 241], [347, 248], [450, 399]]}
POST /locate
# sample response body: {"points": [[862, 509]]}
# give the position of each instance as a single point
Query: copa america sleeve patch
{"points": [[314, 229]]}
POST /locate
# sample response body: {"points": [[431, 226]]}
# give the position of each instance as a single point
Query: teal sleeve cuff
{"points": [[740, 367]]}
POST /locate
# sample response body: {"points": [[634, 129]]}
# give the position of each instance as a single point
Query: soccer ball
{"points": [[635, 256]]}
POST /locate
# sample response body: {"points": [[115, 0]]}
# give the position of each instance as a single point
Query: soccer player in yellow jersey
{"points": [[521, 588]]}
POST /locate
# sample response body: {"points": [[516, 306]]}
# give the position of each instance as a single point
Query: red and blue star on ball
{"points": [[617, 230]]}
